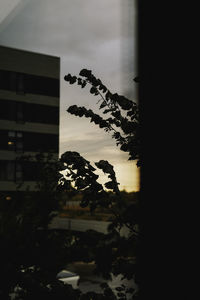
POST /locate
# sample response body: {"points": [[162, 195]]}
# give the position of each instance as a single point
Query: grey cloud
{"points": [[94, 147], [89, 142], [88, 147], [72, 25]]}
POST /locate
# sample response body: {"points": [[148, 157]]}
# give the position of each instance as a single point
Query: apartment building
{"points": [[29, 114]]}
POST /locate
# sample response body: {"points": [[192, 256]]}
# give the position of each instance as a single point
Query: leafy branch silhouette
{"points": [[120, 117], [123, 120]]}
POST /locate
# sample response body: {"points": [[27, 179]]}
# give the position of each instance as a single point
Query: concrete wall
{"points": [[30, 98], [29, 127]]}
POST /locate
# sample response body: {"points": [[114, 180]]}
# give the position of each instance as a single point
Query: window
{"points": [[42, 85], [11, 140], [13, 80], [20, 88], [11, 145], [8, 109], [4, 140], [42, 114], [40, 142], [18, 172], [21, 83], [20, 112], [28, 141], [19, 142], [11, 110], [2, 170], [28, 112], [10, 170], [19, 147], [19, 135], [4, 80], [15, 141], [11, 134]]}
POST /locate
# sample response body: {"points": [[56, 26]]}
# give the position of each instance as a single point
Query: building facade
{"points": [[29, 114]]}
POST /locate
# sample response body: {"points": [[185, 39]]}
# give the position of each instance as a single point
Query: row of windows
{"points": [[28, 141], [26, 83], [28, 112], [18, 171]]}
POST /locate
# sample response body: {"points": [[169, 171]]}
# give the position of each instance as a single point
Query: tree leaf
{"points": [[103, 104], [85, 73]]}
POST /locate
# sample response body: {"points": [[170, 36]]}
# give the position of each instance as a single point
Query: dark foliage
{"points": [[32, 254], [113, 252], [123, 120]]}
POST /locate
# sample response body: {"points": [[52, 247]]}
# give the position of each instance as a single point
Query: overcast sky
{"points": [[92, 34]]}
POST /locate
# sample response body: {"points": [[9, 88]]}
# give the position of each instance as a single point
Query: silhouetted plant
{"points": [[31, 254], [123, 121], [112, 252]]}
